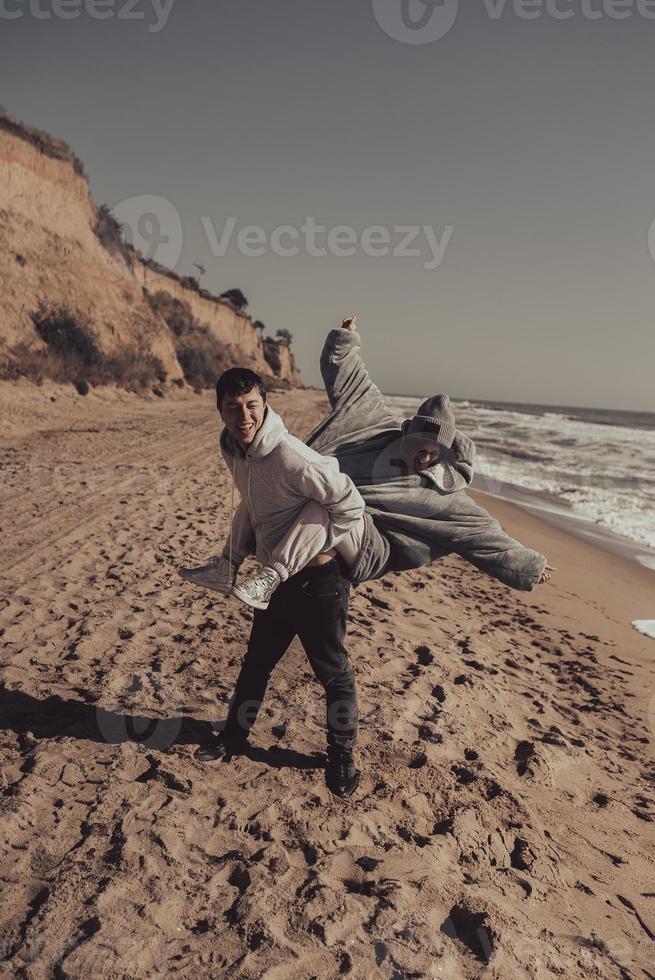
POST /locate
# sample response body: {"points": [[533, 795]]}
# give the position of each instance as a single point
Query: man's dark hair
{"points": [[238, 381]]}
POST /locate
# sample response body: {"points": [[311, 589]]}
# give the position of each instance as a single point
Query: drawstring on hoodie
{"points": [[230, 447], [234, 466]]}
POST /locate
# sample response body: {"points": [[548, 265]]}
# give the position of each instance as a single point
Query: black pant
{"points": [[314, 605]]}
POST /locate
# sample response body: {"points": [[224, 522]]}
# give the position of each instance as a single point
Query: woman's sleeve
{"points": [[478, 537], [463, 456], [347, 381]]}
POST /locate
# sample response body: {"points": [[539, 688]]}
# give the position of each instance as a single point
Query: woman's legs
{"points": [[350, 546], [307, 538]]}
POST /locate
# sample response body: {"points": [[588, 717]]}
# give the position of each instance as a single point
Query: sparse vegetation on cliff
{"points": [[110, 233], [199, 367], [285, 337], [71, 355], [175, 312], [44, 142], [52, 272], [201, 357], [271, 350], [235, 298]]}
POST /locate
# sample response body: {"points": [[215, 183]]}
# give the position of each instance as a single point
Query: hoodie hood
{"points": [[444, 476], [270, 433]]}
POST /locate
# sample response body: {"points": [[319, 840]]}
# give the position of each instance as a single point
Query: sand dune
{"points": [[504, 825]]}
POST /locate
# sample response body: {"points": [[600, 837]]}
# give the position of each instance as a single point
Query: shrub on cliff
{"points": [[285, 337], [175, 312], [72, 355], [67, 334], [235, 298], [9, 369], [131, 368], [199, 367], [271, 351], [109, 232], [202, 357]]}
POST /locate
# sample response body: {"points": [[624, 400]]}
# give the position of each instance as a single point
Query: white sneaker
{"points": [[218, 574], [257, 590]]}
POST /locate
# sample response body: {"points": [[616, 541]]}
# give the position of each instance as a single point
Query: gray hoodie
{"points": [[412, 519], [276, 477]]}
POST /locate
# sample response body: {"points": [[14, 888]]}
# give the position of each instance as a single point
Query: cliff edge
{"points": [[75, 305]]}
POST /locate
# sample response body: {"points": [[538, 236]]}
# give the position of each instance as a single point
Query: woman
{"points": [[412, 477]]}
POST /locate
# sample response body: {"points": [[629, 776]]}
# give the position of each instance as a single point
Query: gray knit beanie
{"points": [[434, 417]]}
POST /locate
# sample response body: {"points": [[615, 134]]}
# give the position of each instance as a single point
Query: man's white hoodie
{"points": [[276, 476]]}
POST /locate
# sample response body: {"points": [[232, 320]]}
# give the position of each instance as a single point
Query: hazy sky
{"points": [[526, 147]]}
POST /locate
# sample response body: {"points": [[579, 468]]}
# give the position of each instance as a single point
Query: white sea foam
{"points": [[602, 473], [645, 626]]}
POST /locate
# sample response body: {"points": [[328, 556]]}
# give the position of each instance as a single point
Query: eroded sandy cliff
{"points": [[51, 257]]}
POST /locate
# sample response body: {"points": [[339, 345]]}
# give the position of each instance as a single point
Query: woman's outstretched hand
{"points": [[350, 323], [545, 575]]}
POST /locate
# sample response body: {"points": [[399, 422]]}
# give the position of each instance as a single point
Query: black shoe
{"points": [[223, 748], [341, 776]]}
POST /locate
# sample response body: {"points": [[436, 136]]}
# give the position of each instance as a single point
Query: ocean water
{"points": [[593, 468], [645, 626]]}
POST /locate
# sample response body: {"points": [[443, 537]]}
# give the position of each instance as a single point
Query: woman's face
{"points": [[420, 452]]}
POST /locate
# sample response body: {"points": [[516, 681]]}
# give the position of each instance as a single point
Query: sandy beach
{"points": [[504, 826]]}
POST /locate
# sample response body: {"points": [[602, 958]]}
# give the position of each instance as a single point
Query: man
{"points": [[276, 475]]}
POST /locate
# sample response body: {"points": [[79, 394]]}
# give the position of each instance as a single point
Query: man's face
{"points": [[243, 415]]}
